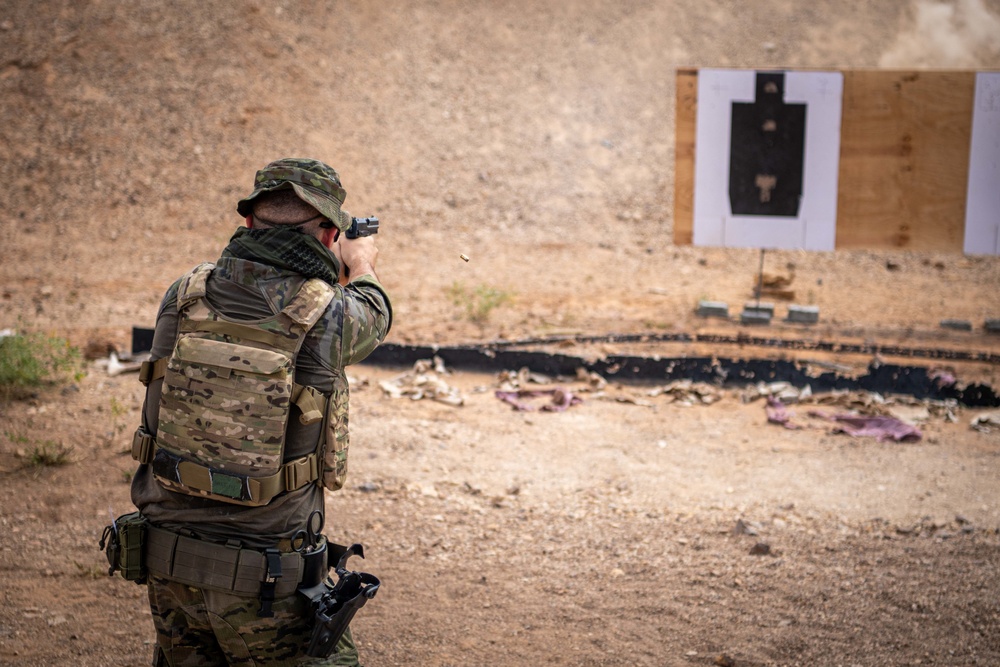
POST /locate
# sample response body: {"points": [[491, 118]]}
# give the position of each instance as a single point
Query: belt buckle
{"points": [[142, 446]]}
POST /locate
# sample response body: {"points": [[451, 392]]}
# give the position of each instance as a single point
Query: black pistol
{"points": [[362, 227]]}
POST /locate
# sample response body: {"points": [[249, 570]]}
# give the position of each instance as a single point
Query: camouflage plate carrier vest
{"points": [[228, 388]]}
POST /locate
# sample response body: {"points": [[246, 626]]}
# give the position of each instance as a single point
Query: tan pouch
{"points": [[336, 436], [124, 544]]}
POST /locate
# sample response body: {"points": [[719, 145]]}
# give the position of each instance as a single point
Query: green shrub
{"points": [[34, 360], [478, 302], [49, 454]]}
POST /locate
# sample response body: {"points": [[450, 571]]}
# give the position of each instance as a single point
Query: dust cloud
{"points": [[960, 34]]}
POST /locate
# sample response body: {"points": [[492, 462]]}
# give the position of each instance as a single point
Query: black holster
{"points": [[334, 605]]}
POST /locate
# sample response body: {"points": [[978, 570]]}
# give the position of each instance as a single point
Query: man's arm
{"points": [[360, 317], [367, 318]]}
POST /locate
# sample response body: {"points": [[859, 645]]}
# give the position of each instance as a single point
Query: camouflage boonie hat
{"points": [[314, 182]]}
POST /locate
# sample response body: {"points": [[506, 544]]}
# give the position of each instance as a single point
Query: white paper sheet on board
{"points": [[982, 209], [814, 228]]}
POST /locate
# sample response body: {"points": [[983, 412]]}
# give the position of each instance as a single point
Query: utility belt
{"points": [[138, 549], [231, 569]]}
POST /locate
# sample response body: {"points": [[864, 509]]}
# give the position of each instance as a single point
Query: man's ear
{"points": [[249, 222], [330, 236]]}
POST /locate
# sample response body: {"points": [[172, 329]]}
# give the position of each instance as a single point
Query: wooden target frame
{"points": [[904, 163]]}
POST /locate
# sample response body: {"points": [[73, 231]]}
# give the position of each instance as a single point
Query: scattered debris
{"points": [[517, 388], [594, 380], [877, 373], [631, 400], [743, 528], [869, 401], [357, 383], [905, 408], [783, 391], [942, 377], [424, 381], [688, 392], [562, 399], [910, 414], [760, 549], [881, 427], [986, 422], [115, 365], [511, 380]]}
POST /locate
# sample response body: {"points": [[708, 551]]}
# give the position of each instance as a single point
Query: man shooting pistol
{"points": [[245, 429]]}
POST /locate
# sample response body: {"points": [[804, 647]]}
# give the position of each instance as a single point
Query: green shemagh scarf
{"points": [[285, 249]]}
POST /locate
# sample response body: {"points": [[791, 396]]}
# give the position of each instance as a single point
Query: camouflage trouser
{"points": [[196, 626]]}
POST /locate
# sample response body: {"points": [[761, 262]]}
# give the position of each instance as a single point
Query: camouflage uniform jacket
{"points": [[355, 322]]}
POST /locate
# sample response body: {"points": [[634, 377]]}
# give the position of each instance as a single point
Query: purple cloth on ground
{"points": [[879, 427], [778, 414], [562, 399]]}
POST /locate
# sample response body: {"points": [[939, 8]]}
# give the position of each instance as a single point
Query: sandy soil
{"points": [[537, 140]]}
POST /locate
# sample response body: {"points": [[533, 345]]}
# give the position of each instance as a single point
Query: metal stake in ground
{"points": [[760, 277]]}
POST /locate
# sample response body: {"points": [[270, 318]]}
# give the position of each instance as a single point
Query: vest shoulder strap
{"points": [[309, 303], [193, 284]]}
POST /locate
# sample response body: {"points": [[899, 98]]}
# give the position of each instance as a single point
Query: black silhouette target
{"points": [[767, 151]]}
